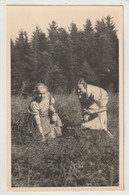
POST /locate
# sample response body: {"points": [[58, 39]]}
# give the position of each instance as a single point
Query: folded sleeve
{"points": [[34, 108]]}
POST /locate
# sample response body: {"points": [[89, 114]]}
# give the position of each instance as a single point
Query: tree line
{"points": [[60, 58]]}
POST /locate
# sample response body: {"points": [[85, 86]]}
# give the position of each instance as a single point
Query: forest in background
{"points": [[60, 58]]}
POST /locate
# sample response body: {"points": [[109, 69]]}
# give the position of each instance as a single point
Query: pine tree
{"points": [[107, 52], [40, 55], [20, 61], [89, 43]]}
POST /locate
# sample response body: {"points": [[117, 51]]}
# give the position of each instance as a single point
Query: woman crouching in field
{"points": [[41, 108], [94, 101]]}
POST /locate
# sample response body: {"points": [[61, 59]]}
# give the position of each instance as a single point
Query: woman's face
{"points": [[42, 92], [81, 89]]}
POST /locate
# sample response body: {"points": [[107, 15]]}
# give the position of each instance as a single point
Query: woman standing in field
{"points": [[41, 108], [94, 101]]}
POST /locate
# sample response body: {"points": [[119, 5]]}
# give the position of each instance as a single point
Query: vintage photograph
{"points": [[65, 97]]}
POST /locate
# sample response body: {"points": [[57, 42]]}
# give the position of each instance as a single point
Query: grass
{"points": [[78, 158]]}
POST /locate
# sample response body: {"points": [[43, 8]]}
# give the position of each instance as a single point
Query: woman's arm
{"points": [[34, 110], [98, 97], [38, 122], [93, 111], [51, 104]]}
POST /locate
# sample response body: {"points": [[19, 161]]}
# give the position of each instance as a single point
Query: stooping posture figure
{"points": [[42, 110], [94, 101]]}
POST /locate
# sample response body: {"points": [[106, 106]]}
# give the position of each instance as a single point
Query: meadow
{"points": [[81, 157]]}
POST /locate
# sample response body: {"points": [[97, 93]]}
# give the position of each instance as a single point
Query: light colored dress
{"points": [[94, 99], [41, 110]]}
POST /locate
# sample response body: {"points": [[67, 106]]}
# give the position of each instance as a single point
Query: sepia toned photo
{"points": [[64, 98]]}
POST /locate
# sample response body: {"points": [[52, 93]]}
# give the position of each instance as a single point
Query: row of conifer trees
{"points": [[60, 58]]}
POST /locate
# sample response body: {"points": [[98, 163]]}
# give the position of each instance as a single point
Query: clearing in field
{"points": [[81, 157]]}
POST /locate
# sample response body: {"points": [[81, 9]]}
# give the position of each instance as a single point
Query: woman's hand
{"points": [[43, 137], [86, 118], [86, 111], [42, 133]]}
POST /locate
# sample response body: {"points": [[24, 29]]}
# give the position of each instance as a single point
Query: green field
{"points": [[78, 158]]}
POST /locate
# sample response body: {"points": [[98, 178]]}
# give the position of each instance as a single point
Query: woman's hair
{"points": [[83, 82], [36, 89]]}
